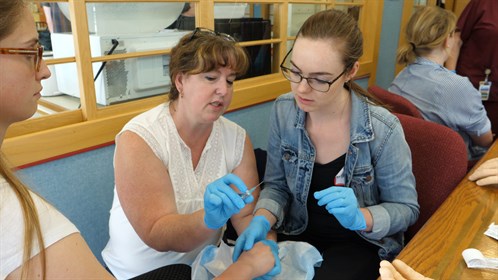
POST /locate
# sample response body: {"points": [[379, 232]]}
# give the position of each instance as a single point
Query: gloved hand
{"points": [[256, 231], [277, 268], [342, 203], [221, 201]]}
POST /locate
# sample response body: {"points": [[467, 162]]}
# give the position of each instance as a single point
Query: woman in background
{"points": [[475, 53], [339, 171], [441, 96], [36, 240]]}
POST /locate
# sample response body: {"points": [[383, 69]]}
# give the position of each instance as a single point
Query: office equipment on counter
{"points": [[120, 80], [127, 18], [135, 27], [243, 29]]}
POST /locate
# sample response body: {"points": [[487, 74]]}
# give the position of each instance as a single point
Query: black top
{"points": [[346, 255], [324, 230]]}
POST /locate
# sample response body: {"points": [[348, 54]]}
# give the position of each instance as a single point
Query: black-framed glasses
{"points": [[36, 52], [211, 32], [316, 84]]}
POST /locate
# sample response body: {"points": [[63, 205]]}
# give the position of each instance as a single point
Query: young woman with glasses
{"points": [[339, 172], [180, 167], [36, 241]]}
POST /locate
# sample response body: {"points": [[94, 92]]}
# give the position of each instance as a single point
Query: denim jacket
{"points": [[378, 168]]}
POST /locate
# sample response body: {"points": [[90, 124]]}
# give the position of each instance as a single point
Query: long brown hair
{"points": [[10, 12], [426, 30], [32, 228], [341, 27]]}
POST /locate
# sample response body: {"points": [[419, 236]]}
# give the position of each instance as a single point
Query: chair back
{"points": [[398, 103], [439, 158]]}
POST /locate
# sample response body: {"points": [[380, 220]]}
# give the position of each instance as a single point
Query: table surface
{"points": [[460, 223]]}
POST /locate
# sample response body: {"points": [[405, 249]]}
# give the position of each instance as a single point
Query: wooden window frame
{"points": [[41, 139]]}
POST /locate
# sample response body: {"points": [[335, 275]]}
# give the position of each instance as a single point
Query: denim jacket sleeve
{"points": [[276, 195], [398, 207]]}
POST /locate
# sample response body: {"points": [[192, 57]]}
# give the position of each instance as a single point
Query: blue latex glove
{"points": [[256, 231], [342, 203], [277, 268], [221, 201]]}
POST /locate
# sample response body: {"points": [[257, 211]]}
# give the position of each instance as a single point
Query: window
{"points": [[129, 65]]}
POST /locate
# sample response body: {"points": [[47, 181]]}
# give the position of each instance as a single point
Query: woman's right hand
{"points": [[487, 173], [221, 201]]}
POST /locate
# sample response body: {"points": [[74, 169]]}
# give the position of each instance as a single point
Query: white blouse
{"points": [[54, 227], [125, 254]]}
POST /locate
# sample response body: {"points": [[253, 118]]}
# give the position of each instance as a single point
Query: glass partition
{"points": [[298, 14], [124, 45]]}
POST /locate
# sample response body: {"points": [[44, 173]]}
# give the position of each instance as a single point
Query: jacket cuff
{"points": [[273, 207], [381, 223]]}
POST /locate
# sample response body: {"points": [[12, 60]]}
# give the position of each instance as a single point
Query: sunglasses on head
{"points": [[206, 31]]}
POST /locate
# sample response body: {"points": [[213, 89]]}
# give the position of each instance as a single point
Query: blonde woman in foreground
{"points": [[49, 245]]}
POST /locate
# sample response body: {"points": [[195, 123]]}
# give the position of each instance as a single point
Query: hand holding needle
{"points": [[249, 191]]}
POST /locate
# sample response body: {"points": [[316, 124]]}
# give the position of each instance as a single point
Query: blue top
{"points": [[378, 168], [446, 98]]}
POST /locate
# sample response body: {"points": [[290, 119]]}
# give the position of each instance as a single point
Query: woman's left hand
{"points": [[342, 203]]}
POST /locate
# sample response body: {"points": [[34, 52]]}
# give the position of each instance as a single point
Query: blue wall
{"points": [[389, 37], [81, 187], [255, 121]]}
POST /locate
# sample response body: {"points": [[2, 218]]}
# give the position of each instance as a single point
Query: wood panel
{"points": [[460, 223]]}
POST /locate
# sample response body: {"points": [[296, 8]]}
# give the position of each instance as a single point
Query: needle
{"points": [[249, 191]]}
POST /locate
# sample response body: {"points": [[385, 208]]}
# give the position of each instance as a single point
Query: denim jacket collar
{"points": [[300, 119], [361, 123]]}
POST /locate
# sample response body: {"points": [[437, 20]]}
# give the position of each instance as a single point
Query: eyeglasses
{"points": [[314, 83], [208, 31], [36, 52]]}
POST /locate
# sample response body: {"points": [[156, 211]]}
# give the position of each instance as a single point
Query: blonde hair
{"points": [[32, 227], [340, 27], [426, 30], [10, 12], [201, 52]]}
